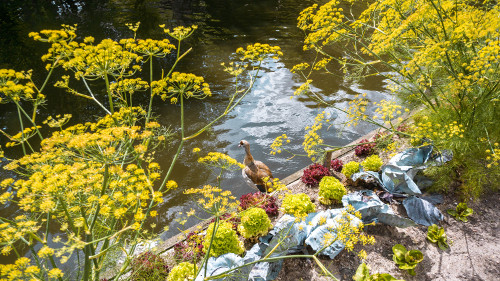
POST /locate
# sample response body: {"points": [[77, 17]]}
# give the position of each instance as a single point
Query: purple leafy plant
{"points": [[232, 219], [261, 200], [189, 250], [337, 165], [148, 266], [314, 173], [364, 148]]}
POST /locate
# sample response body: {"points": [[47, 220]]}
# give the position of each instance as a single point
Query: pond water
{"points": [[265, 113]]}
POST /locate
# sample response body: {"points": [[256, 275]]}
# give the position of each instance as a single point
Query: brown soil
{"points": [[472, 255]]}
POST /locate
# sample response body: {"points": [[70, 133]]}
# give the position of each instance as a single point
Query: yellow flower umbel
{"points": [[425, 131], [58, 121], [12, 87], [85, 179], [277, 144], [494, 156], [221, 160], [303, 89], [20, 137], [349, 231], [149, 47], [387, 111], [101, 60], [180, 32], [312, 140], [300, 67], [62, 44], [215, 201], [357, 110], [22, 270], [186, 85], [258, 52]]}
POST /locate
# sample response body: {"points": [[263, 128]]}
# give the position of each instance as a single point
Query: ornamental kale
{"points": [[350, 169], [372, 163], [298, 205], [225, 240], [331, 190], [181, 272], [254, 223]]}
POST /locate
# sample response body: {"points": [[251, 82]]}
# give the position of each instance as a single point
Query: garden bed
{"points": [[471, 256]]}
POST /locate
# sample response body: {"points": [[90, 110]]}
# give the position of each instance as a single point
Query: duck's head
{"points": [[243, 143]]}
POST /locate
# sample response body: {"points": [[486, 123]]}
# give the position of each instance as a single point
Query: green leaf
{"points": [[433, 240], [461, 207], [436, 234], [443, 245], [407, 260], [411, 272], [407, 266], [467, 212], [383, 277], [399, 251], [362, 273], [461, 212], [416, 256]]}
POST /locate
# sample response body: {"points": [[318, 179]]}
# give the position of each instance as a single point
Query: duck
{"points": [[254, 171]]}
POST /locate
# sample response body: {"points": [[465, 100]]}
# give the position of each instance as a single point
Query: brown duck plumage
{"points": [[254, 170]]}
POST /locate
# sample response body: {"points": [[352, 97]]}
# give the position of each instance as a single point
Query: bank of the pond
{"points": [[290, 181], [470, 257]]}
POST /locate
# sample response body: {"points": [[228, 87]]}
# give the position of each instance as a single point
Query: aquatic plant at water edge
{"points": [[331, 190], [436, 234], [254, 223], [461, 212], [148, 266], [405, 259]]}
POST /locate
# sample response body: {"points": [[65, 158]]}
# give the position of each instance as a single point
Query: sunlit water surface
{"points": [[265, 113]]}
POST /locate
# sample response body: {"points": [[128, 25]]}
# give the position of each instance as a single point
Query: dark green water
{"points": [[224, 25]]}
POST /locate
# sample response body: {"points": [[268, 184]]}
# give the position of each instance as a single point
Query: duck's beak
{"points": [[239, 144]]}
